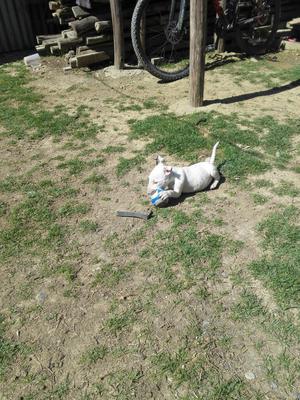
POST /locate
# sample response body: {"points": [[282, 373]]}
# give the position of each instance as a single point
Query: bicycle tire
{"points": [[251, 49], [140, 52]]}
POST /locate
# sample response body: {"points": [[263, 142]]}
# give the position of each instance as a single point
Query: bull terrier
{"points": [[177, 180]]}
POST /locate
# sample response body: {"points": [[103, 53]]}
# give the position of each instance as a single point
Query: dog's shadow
{"points": [[174, 202]]}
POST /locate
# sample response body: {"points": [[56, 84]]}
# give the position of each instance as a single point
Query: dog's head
{"points": [[159, 177]]}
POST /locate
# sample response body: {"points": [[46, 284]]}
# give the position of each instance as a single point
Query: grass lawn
{"points": [[199, 302]]}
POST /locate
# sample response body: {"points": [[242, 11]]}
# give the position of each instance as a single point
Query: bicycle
{"points": [[160, 31]]}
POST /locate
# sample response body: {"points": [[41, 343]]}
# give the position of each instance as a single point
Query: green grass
{"points": [[9, 350], [87, 226], [73, 208], [188, 255], [263, 183], [279, 268], [96, 178], [170, 364], [165, 277], [110, 275], [248, 307], [286, 189], [119, 322], [127, 164], [75, 166], [29, 120], [114, 149], [130, 107], [68, 271], [264, 72], [259, 199], [3, 208], [33, 224], [240, 140], [94, 354]]}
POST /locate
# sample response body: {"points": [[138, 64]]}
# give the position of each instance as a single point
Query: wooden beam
{"points": [[117, 23], [101, 26], [84, 25], [198, 19]]}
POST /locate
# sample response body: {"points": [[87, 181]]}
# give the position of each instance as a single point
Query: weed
{"points": [[286, 189], [202, 293], [3, 208], [110, 275], [96, 178], [259, 199], [230, 389], [96, 162], [94, 354], [124, 382], [151, 103], [121, 321], [114, 149], [249, 306], [68, 271], [87, 226], [263, 183], [69, 209], [75, 166], [172, 365]]}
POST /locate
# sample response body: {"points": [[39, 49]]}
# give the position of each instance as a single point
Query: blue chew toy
{"points": [[156, 199]]}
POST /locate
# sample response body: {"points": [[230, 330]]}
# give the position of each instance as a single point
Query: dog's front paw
{"points": [[164, 196]]}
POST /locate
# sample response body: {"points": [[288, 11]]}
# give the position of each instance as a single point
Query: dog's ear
{"points": [[167, 171], [159, 160]]}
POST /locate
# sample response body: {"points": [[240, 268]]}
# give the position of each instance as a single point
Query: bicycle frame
{"points": [[182, 10], [219, 11]]}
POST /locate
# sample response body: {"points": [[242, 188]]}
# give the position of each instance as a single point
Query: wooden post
{"points": [[118, 32], [221, 41], [198, 19]]}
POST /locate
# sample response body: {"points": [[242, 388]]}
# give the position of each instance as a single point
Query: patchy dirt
{"points": [[61, 327]]}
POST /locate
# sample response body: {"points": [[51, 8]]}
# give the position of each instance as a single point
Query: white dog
{"points": [[177, 180]]}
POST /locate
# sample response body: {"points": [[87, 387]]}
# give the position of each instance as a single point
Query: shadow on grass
{"points": [[253, 95]]}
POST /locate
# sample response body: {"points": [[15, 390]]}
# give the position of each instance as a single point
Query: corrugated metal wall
{"points": [[20, 21]]}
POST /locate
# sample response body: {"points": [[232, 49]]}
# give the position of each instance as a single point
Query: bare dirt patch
{"points": [[109, 287]]}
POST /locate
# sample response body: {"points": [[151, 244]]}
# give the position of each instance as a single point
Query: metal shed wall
{"points": [[20, 21]]}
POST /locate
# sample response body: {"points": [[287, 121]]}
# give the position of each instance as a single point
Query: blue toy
{"points": [[156, 199]]}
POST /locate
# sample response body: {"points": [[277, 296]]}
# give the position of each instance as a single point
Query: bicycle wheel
{"points": [[159, 44], [256, 24]]}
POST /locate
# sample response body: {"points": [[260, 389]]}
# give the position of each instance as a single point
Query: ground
{"points": [[199, 302]]}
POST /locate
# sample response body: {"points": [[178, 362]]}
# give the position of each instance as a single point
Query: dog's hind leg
{"points": [[216, 176]]}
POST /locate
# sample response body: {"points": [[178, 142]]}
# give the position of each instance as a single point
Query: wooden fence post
{"points": [[118, 32], [221, 41], [198, 20]]}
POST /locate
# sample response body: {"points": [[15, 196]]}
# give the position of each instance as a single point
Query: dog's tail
{"points": [[213, 153]]}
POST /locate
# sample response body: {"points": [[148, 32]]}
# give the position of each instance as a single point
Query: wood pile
{"points": [[86, 36]]}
